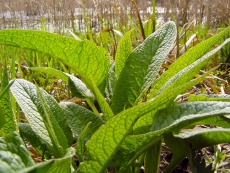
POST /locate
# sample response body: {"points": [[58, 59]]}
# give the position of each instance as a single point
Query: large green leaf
{"points": [[190, 71], [181, 78], [78, 117], [82, 56], [172, 119], [144, 123], [141, 67], [103, 145], [185, 114], [13, 154], [26, 96], [185, 60]]}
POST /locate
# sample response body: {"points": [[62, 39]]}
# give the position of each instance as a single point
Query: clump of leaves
{"points": [[129, 129]]}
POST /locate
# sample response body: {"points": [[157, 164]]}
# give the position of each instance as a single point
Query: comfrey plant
{"points": [[127, 133]]}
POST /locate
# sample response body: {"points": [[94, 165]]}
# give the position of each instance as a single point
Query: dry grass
{"points": [[65, 13]]}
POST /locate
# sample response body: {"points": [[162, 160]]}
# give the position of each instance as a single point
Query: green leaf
{"points": [[81, 144], [26, 96], [143, 125], [6, 89], [141, 68], [124, 49], [27, 132], [8, 121], [210, 97], [106, 110], [103, 145], [184, 114], [82, 56], [78, 117], [171, 119], [111, 82], [62, 165], [190, 71], [2, 118], [78, 88], [56, 134], [185, 60], [13, 154], [51, 71], [220, 121]]}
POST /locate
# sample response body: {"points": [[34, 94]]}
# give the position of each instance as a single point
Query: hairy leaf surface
{"points": [[185, 60], [189, 72], [13, 154], [108, 138], [78, 117], [174, 118], [82, 56], [141, 67], [26, 96]]}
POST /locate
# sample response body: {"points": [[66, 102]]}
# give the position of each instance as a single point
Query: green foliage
{"points": [[8, 123], [13, 154], [141, 68], [124, 129]]}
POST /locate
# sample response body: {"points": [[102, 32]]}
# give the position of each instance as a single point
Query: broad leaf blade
{"points": [[184, 114], [172, 119], [185, 60], [13, 154], [56, 134], [78, 117], [103, 145], [144, 123], [190, 71], [26, 96], [78, 88], [141, 67], [27, 132], [82, 56]]}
